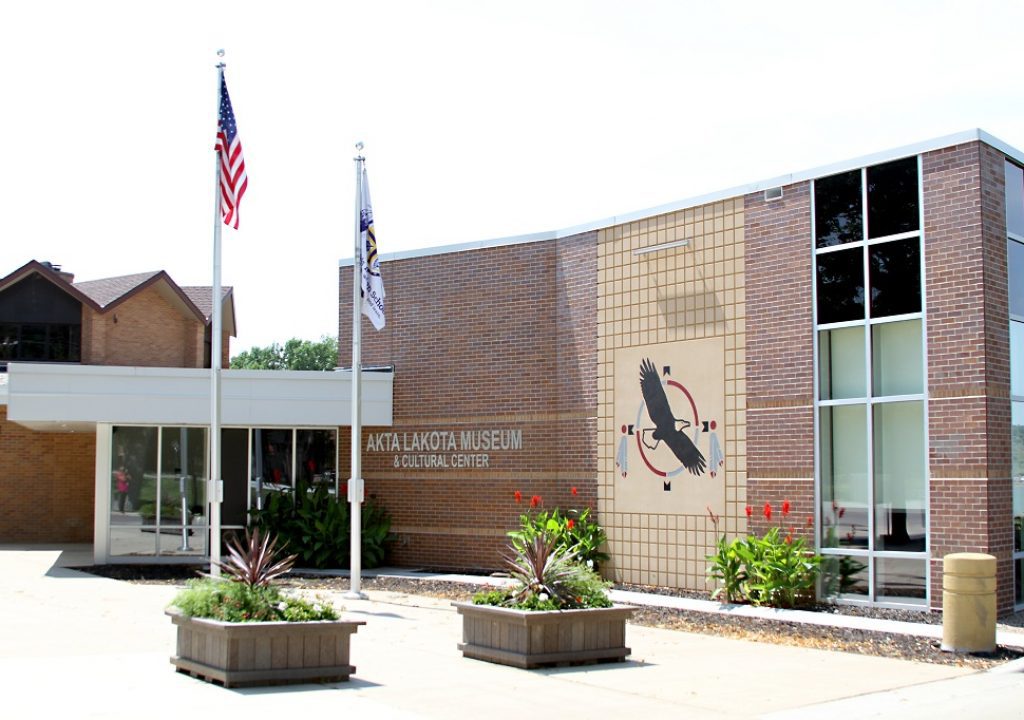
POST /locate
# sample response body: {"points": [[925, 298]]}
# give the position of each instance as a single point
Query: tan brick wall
{"points": [[685, 293], [496, 338], [46, 481], [145, 330], [780, 355], [968, 360]]}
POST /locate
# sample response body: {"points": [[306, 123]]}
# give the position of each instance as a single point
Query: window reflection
{"points": [[895, 278], [840, 286], [841, 363], [843, 437], [897, 366], [1014, 200], [892, 198], [271, 462], [900, 580], [844, 576], [899, 476], [837, 209], [316, 451], [1015, 260]]}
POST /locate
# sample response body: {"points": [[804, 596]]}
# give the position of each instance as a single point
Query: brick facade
{"points": [[968, 360], [490, 339], [780, 352], [47, 479], [47, 482]]}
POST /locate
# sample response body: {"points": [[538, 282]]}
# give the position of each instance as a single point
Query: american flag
{"points": [[233, 180]]}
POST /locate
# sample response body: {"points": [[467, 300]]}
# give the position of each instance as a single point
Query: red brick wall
{"points": [[968, 359], [780, 353], [46, 482], [500, 338]]}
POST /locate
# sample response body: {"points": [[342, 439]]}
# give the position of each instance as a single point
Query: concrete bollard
{"points": [[969, 603]]}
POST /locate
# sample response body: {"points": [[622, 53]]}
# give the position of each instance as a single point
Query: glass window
{"points": [[840, 286], [899, 465], [316, 453], [896, 359], [900, 580], [183, 475], [1018, 585], [1016, 358], [837, 209], [271, 462], [1014, 199], [841, 371], [844, 472], [1015, 261], [844, 576], [895, 278], [892, 198]]}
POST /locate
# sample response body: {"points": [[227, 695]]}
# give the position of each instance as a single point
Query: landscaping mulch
{"points": [[824, 637]]}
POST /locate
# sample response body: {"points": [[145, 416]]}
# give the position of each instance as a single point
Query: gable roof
{"points": [[108, 293], [46, 271]]}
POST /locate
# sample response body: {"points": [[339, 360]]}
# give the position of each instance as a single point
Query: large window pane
{"points": [[844, 576], [183, 475], [840, 286], [316, 452], [837, 209], [133, 475], [1017, 472], [1015, 260], [271, 462], [900, 580], [895, 278], [892, 198], [844, 476], [896, 359], [1014, 199], [131, 540], [899, 465], [1016, 358], [841, 363]]}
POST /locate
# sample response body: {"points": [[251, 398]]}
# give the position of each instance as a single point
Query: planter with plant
{"points": [[244, 630], [555, 611]]}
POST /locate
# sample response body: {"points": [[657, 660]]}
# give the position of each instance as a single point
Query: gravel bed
{"points": [[825, 637]]}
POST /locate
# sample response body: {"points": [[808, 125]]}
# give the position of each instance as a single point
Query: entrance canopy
{"points": [[64, 397]]}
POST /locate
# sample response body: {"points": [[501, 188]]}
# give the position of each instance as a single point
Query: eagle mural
{"points": [[667, 428]]}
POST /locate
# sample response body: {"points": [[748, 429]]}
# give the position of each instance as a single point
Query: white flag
{"points": [[373, 285]]}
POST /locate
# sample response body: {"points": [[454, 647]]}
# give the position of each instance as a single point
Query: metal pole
{"points": [[213, 492], [355, 483]]}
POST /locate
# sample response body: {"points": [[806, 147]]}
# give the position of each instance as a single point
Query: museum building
{"points": [[847, 341]]}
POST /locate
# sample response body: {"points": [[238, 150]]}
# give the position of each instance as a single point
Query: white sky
{"points": [[481, 120]]}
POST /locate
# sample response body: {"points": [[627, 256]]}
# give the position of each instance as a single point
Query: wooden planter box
{"points": [[529, 639], [269, 653]]}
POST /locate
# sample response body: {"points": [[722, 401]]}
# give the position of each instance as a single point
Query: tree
{"points": [[295, 355]]}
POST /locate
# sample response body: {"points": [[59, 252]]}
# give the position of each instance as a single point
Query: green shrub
{"points": [[574, 532], [314, 524], [238, 602]]}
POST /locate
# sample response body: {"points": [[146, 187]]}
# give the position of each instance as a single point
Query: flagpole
{"points": [[355, 483], [214, 487]]}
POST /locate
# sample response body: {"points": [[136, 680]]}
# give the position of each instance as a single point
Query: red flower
{"points": [[518, 496], [789, 539], [767, 511], [785, 508], [574, 490], [842, 511], [535, 501], [570, 523], [810, 521], [750, 511]]}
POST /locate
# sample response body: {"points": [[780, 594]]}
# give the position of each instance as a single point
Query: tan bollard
{"points": [[969, 603]]}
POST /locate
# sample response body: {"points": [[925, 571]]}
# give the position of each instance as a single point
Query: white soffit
{"points": [[49, 395]]}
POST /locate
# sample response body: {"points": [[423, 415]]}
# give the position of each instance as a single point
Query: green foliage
{"points": [[573, 531], [770, 570], [255, 562], [240, 602], [315, 526], [295, 355], [547, 576]]}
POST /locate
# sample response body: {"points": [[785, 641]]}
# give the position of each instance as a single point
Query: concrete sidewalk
{"points": [[96, 648]]}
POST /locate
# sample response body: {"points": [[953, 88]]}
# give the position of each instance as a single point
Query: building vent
{"points": [[772, 194]]}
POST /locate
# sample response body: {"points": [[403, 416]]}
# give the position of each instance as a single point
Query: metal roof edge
{"points": [[937, 143]]}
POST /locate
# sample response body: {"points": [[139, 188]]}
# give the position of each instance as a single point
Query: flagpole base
{"points": [[355, 595]]}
